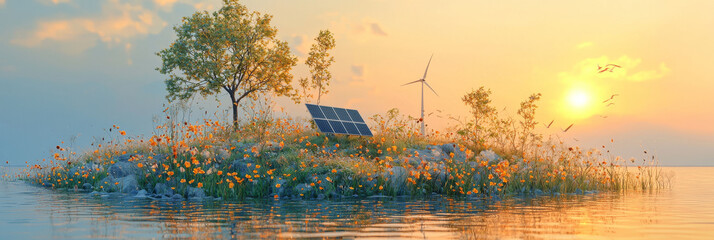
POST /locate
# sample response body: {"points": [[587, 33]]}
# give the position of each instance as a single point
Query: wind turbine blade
{"points": [[427, 66], [431, 88], [412, 82]]}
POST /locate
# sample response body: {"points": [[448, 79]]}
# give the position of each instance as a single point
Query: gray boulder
{"points": [[397, 178], [123, 169], [128, 184], [141, 194], [196, 193], [162, 189]]}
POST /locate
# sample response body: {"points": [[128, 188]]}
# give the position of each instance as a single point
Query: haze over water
{"points": [[683, 212]]}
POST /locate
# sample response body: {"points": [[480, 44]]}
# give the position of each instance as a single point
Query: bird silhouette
{"points": [[568, 128], [551, 123], [609, 104], [608, 67], [611, 97]]}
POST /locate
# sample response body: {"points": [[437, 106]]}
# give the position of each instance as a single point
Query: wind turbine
{"points": [[423, 82]]}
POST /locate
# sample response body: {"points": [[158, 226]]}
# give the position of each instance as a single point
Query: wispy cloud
{"points": [[376, 29], [118, 23], [357, 70], [299, 44], [201, 5], [629, 70], [584, 45]]}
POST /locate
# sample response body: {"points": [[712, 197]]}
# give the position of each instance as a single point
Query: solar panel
{"points": [[338, 120], [329, 113], [342, 114], [338, 127], [363, 129], [315, 111], [355, 115], [351, 128], [323, 125]]}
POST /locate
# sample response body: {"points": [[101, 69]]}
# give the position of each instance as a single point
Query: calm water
{"points": [[684, 212]]}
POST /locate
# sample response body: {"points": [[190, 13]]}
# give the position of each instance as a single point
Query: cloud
{"points": [[2, 3], [118, 23], [377, 30], [628, 70], [584, 45], [201, 5], [357, 70], [651, 74], [299, 45]]}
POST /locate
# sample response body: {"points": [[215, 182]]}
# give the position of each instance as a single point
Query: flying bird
{"points": [[568, 128], [609, 104], [611, 97], [551, 123], [607, 67]]}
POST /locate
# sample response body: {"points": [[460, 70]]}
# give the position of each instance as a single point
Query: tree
{"points": [[481, 110], [319, 60], [232, 49]]}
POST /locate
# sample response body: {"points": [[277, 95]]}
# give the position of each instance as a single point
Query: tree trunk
{"points": [[235, 109]]}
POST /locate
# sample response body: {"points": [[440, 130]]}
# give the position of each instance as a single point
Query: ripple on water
{"points": [[685, 211]]}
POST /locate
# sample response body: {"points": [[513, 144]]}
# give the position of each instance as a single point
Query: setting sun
{"points": [[579, 103]]}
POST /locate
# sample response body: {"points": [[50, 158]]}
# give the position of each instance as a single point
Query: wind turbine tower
{"points": [[423, 82]]}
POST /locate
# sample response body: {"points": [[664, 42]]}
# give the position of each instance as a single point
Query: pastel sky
{"points": [[72, 68]]}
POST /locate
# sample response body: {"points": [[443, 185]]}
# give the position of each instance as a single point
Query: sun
{"points": [[579, 103], [578, 98]]}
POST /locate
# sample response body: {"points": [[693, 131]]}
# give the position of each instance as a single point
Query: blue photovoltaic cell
{"points": [[342, 114], [355, 116], [337, 126], [351, 128], [364, 129], [315, 111], [329, 113], [323, 125], [338, 120]]}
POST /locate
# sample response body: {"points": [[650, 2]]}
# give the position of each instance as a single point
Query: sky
{"points": [[70, 69]]}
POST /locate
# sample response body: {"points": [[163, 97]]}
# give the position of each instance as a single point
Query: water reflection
{"points": [[684, 212]]}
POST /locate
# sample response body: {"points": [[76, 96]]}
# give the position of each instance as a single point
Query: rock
{"points": [[122, 158], [222, 154], [177, 197], [108, 184], [128, 184], [450, 148], [87, 186], [123, 169], [163, 190], [141, 194], [242, 168], [397, 178], [303, 188], [578, 191], [489, 155], [93, 194], [196, 193]]}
